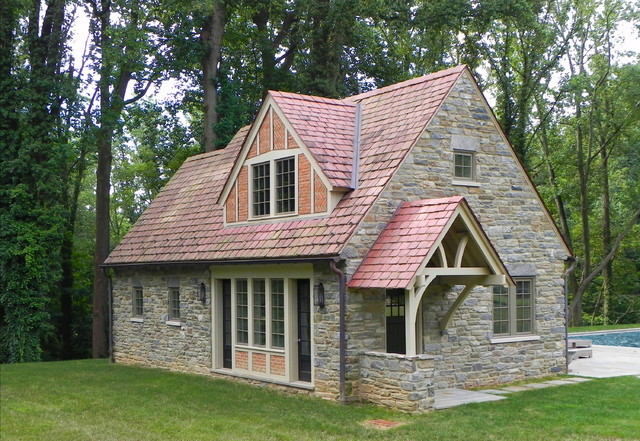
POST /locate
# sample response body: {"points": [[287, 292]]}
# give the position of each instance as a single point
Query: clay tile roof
{"points": [[184, 223], [327, 128], [404, 244]]}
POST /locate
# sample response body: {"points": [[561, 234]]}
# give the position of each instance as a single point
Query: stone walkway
{"points": [[446, 398], [607, 361]]}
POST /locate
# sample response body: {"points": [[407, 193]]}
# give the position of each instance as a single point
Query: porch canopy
{"points": [[425, 240]]}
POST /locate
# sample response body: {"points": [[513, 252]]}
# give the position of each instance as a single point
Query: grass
{"points": [[602, 327], [94, 400]]}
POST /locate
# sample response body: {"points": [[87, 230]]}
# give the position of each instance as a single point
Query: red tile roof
{"points": [[404, 244], [184, 223]]}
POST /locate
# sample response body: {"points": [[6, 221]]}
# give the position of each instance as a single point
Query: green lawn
{"points": [[94, 400], [602, 328]]}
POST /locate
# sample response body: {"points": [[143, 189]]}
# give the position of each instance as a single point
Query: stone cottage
{"points": [[373, 248]]}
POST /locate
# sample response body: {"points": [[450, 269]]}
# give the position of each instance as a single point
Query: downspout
{"points": [[572, 266], [110, 285], [342, 332]]}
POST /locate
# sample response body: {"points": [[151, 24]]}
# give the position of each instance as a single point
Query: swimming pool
{"points": [[620, 338]]}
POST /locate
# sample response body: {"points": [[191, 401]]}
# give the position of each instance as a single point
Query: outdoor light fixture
{"points": [[202, 295], [320, 295]]}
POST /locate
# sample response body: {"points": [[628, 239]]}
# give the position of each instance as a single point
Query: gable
{"points": [[276, 175], [436, 237]]}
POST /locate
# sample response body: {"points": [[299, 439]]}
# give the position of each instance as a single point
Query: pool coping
{"points": [[608, 331]]}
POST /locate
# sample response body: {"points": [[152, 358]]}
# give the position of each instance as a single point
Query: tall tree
{"points": [[34, 98]]}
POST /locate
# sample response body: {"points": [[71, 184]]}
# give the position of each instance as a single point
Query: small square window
{"points": [[464, 165], [137, 301], [174, 304]]}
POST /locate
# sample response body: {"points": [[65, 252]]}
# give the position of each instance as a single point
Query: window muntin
{"points": [[137, 302], [463, 165], [242, 311], [513, 308], [285, 185], [261, 189], [277, 313], [174, 304], [259, 313]]}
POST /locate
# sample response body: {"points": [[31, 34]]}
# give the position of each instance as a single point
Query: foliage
{"points": [[99, 401]]}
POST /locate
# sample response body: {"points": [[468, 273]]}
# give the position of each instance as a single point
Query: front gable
{"points": [[275, 175]]}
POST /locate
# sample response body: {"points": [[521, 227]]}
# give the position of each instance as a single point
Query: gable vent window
{"points": [[261, 189], [463, 166], [276, 177]]}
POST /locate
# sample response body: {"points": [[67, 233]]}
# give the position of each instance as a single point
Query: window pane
{"points": [[174, 304], [523, 306], [285, 185], [277, 313], [138, 302], [242, 311], [259, 313], [463, 165], [500, 310], [261, 189]]}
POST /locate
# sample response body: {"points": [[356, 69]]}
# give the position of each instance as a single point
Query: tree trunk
{"points": [[211, 37], [607, 272]]}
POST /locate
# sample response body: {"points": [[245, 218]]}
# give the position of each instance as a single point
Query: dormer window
{"points": [[283, 187]]}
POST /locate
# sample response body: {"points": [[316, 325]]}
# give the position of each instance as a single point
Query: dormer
{"points": [[294, 161]]}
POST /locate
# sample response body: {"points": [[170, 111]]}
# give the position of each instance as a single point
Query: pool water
{"points": [[629, 339]]}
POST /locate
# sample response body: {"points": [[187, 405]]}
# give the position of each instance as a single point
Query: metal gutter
{"points": [[220, 262], [355, 168]]}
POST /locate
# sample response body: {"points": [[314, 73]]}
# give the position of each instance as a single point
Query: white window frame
{"points": [[513, 319], [289, 273], [271, 158], [171, 317]]}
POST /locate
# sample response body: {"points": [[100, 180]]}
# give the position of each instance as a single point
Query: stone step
{"points": [[579, 344], [579, 353]]}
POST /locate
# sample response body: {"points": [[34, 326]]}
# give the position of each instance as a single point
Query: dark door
{"points": [[226, 324], [304, 330], [396, 340]]}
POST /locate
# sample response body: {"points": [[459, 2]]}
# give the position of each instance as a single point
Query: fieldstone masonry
{"points": [[153, 340]]}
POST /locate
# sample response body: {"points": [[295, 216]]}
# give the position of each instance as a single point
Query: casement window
{"points": [[259, 313], [274, 178], [464, 165], [277, 313], [513, 308], [242, 311], [137, 302], [174, 304]]}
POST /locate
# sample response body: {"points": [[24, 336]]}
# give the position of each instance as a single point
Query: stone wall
{"points": [[150, 340], [397, 381], [517, 225]]}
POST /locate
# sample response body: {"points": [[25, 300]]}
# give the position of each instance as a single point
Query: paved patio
{"points": [[607, 361]]}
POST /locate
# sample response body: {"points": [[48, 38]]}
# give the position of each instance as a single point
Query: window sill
{"points": [[514, 339], [174, 323], [137, 320], [464, 183]]}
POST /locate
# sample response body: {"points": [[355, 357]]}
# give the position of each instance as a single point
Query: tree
{"points": [[35, 99]]}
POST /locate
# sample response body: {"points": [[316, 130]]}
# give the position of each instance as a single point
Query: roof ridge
{"points": [[410, 82], [313, 98]]}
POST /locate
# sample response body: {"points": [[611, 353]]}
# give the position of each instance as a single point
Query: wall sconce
{"points": [[320, 295], [202, 295]]}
